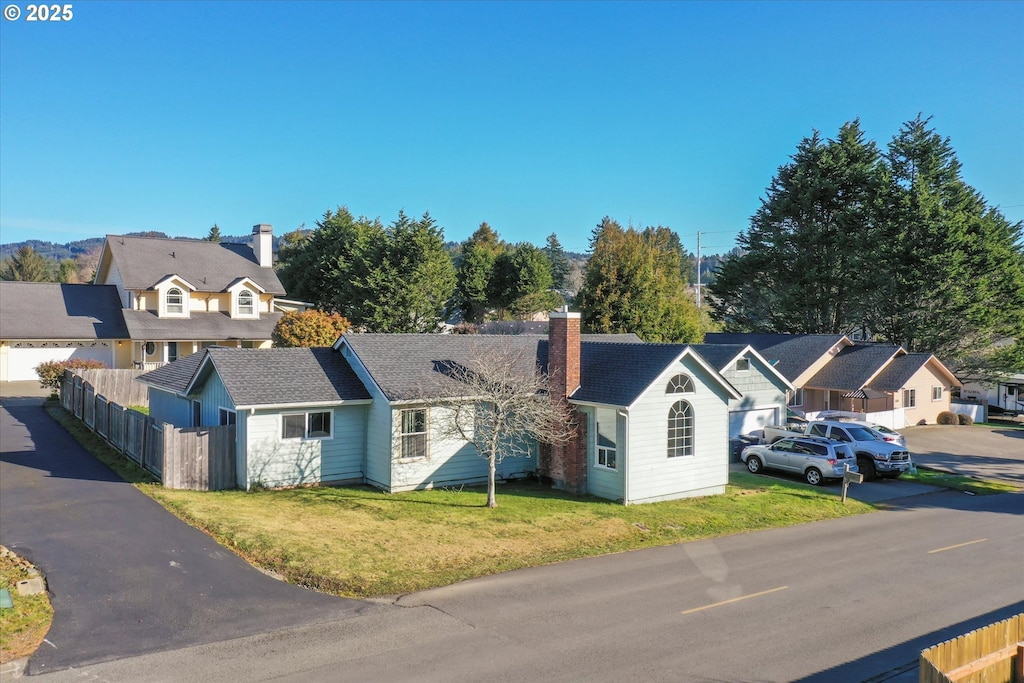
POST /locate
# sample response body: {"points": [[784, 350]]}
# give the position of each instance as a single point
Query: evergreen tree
{"points": [[214, 234], [476, 268], [633, 283], [560, 265], [807, 253], [521, 281], [25, 265]]}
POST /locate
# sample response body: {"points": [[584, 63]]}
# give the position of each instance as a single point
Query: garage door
{"points": [[22, 357], [746, 421]]}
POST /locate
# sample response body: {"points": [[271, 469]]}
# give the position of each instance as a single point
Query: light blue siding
{"points": [[170, 408], [213, 397], [602, 481], [378, 428], [342, 457], [762, 391]]}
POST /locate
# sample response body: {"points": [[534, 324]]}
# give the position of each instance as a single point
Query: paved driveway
{"points": [[987, 452], [126, 577]]}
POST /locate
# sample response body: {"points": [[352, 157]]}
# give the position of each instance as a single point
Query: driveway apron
{"points": [[125, 576]]}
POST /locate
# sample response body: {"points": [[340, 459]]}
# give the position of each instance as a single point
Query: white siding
{"points": [[652, 474], [342, 457], [378, 450], [273, 461], [601, 481], [761, 390]]}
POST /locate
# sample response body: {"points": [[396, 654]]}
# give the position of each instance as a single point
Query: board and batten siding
{"points": [[653, 475], [168, 407], [378, 440], [449, 462]]}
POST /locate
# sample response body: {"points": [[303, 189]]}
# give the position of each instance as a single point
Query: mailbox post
{"points": [[851, 477]]}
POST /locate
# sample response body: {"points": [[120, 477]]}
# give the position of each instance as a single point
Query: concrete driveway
{"points": [[126, 577], [976, 451]]}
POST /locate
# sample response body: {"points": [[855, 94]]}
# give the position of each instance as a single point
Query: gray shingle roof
{"points": [[896, 375], [719, 355], [216, 326], [49, 310], [617, 374], [278, 376], [207, 266], [852, 367], [790, 354]]}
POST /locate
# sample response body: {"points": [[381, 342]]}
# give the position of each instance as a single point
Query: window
{"points": [[306, 425], [414, 433], [197, 414], [680, 384], [227, 417], [680, 429], [797, 399], [936, 393], [819, 430], [909, 398], [743, 365], [245, 303], [172, 351], [606, 454], [175, 301]]}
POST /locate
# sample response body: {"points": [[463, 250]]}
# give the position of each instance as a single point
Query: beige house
{"points": [[834, 375], [180, 296]]}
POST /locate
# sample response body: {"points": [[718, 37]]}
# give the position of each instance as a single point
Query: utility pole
{"points": [[698, 270]]}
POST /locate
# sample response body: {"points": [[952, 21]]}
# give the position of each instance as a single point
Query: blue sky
{"points": [[534, 117]]}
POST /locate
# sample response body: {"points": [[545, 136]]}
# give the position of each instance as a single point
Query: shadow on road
{"points": [[901, 655]]}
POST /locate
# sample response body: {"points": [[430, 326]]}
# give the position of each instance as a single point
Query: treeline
{"points": [[891, 241]]}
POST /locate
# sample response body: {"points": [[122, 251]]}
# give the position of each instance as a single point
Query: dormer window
{"points": [[175, 301], [245, 303]]}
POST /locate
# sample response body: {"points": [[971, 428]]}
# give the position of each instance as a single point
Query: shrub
{"points": [[947, 418], [51, 373], [309, 328], [965, 419]]}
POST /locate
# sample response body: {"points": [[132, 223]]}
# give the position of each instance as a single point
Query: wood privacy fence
{"points": [[119, 386], [993, 654], [198, 458]]}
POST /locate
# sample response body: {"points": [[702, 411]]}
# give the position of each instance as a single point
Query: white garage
{"points": [[24, 356], [746, 421]]}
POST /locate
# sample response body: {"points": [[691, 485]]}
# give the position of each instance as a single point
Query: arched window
{"points": [[175, 301], [245, 305], [680, 429], [680, 384]]}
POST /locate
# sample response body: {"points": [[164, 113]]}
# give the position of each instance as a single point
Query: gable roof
{"points": [[722, 356], [854, 366], [214, 326], [896, 375], [209, 266], [50, 310], [266, 377], [790, 354], [405, 366]]}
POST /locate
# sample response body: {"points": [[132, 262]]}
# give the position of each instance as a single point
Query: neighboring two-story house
{"points": [[180, 296]]}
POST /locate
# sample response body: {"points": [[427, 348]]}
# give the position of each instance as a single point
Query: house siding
{"points": [[378, 444], [761, 390], [655, 476], [925, 409], [601, 481], [171, 408]]}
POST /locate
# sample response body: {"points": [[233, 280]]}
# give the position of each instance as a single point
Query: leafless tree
{"points": [[496, 399]]}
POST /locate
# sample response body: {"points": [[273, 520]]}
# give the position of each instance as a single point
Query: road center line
{"points": [[958, 545], [727, 602]]}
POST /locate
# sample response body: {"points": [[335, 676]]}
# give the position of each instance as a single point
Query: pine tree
{"points": [[560, 265], [214, 234], [25, 265]]}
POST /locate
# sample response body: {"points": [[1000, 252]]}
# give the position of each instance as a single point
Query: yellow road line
{"points": [[958, 545], [727, 602]]}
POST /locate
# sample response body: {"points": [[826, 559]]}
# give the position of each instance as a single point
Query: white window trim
{"points": [[743, 370], [305, 436], [939, 398], [400, 451], [910, 398], [598, 449], [236, 306], [163, 291], [693, 432], [798, 398]]}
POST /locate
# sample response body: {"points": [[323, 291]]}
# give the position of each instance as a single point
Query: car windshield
{"points": [[864, 434]]}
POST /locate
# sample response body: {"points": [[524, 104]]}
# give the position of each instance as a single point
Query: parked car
{"points": [[887, 435], [815, 458], [875, 456]]}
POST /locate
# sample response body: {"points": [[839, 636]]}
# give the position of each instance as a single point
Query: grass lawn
{"points": [[981, 487], [23, 627]]}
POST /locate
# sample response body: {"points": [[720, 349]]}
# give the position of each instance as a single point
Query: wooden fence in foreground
{"points": [[993, 654], [195, 458]]}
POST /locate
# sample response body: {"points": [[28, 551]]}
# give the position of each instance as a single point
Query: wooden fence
{"points": [[993, 654], [199, 459], [118, 386]]}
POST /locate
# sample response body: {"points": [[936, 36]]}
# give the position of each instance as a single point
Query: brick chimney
{"points": [[564, 352], [564, 465], [263, 244]]}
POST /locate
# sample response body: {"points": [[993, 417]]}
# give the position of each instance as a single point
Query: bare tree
{"points": [[497, 400]]}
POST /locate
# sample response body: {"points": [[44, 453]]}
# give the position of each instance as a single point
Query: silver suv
{"points": [[816, 458]]}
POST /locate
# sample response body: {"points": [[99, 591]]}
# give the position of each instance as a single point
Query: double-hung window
{"points": [[936, 393], [175, 301], [414, 433], [607, 455], [313, 425], [245, 303], [909, 398]]}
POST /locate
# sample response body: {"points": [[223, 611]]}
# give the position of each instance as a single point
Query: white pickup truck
{"points": [[875, 458]]}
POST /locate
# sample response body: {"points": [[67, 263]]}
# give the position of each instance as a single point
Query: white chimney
{"points": [[263, 244]]}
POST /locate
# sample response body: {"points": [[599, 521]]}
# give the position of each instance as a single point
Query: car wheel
{"points": [[813, 477], [754, 464], [867, 468]]}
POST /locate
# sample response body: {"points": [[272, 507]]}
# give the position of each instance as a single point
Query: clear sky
{"points": [[535, 117]]}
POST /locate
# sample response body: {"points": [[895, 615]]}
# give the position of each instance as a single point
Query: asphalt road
{"points": [[986, 452], [844, 600], [125, 577]]}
